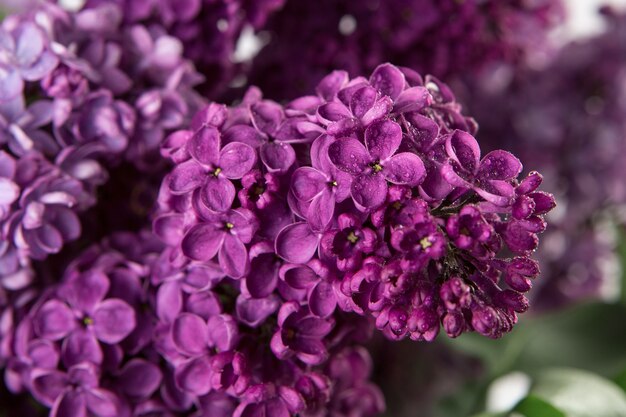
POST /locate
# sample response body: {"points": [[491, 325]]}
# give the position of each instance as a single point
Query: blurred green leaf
{"points": [[533, 406], [620, 380], [621, 252], [589, 336], [579, 393]]}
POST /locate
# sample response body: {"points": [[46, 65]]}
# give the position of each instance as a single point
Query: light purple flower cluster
{"points": [[209, 29], [98, 93], [570, 120], [370, 197], [445, 38], [79, 94]]}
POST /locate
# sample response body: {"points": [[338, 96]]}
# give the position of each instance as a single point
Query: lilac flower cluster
{"points": [[283, 236], [79, 94], [84, 346], [446, 38], [99, 93], [370, 197], [209, 29], [570, 119]]}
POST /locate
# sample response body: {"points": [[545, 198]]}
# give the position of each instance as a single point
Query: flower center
{"points": [[290, 334], [87, 321], [352, 238], [217, 171], [425, 243], [377, 167], [229, 226], [332, 183], [258, 189]]}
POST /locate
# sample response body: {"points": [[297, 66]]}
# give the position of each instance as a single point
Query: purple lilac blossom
{"points": [[85, 344], [446, 38], [209, 29], [98, 93], [570, 120], [392, 213]]}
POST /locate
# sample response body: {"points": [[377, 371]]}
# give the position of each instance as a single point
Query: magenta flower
{"points": [[490, 177], [76, 393], [376, 163], [212, 168], [300, 334], [226, 235], [83, 317], [321, 186]]}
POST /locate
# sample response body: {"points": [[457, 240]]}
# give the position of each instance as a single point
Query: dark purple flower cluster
{"points": [[442, 37], [570, 120], [370, 197], [85, 345]]}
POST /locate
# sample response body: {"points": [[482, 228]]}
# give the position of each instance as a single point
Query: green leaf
{"points": [[578, 393], [589, 336], [533, 406], [621, 252], [620, 380]]}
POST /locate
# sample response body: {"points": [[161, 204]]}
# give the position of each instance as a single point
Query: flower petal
{"points": [[194, 376], [113, 320], [321, 211], [266, 116], [331, 84], [254, 311], [217, 194], [103, 403], [296, 243], [412, 99], [382, 139], [388, 79], [369, 191], [70, 404], [54, 320], [233, 257], [499, 165], [322, 299], [204, 145], [306, 183], [277, 156], [349, 155], [405, 168], [139, 378], [189, 334], [236, 159], [81, 346], [463, 149], [186, 177], [263, 276], [202, 242], [86, 290], [363, 100]]}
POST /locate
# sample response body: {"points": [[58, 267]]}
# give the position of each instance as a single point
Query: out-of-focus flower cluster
{"points": [[79, 93], [446, 38], [209, 29], [570, 120]]}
